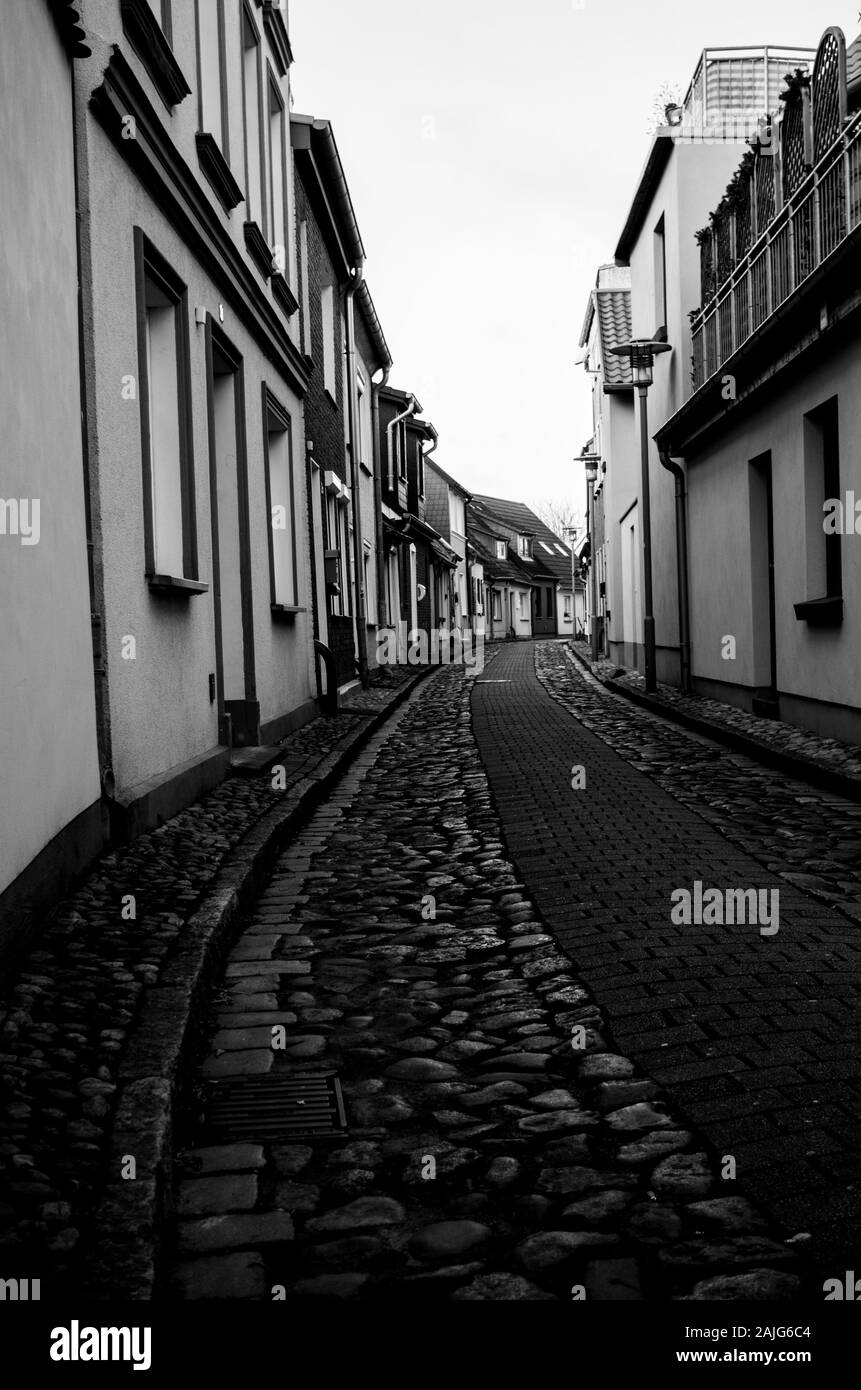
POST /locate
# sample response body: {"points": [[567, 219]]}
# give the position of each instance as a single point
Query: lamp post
{"points": [[642, 353], [592, 463], [571, 531]]}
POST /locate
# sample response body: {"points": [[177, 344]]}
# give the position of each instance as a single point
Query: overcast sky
{"points": [[492, 151]]}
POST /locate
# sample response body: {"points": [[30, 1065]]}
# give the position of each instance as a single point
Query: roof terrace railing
{"points": [[821, 213]]}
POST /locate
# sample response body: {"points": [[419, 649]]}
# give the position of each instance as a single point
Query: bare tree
{"points": [[560, 515]]}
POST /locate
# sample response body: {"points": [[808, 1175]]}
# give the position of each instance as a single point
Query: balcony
{"points": [[788, 209], [816, 219]]}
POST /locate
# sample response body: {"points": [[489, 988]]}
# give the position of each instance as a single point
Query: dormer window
{"points": [[524, 547], [501, 550]]}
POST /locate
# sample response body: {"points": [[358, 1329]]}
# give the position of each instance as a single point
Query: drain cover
{"points": [[274, 1107]]}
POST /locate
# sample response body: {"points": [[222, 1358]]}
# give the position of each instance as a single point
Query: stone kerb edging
{"points": [[790, 764]]}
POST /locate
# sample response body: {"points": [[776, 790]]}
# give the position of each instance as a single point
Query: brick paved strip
{"points": [[623, 845]]}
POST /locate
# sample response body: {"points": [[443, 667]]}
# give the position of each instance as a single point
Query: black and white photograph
{"points": [[430, 680]]}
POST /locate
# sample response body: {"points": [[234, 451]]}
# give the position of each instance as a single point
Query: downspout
{"points": [[682, 562], [356, 474], [426, 453], [382, 560]]}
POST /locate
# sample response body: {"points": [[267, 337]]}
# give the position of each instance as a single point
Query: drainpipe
{"points": [[356, 474], [682, 560], [382, 560]]}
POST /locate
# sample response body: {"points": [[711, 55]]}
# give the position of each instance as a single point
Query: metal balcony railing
{"points": [[818, 216]]}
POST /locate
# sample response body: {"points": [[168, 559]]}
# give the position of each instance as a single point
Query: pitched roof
{"points": [[614, 326], [516, 516]]}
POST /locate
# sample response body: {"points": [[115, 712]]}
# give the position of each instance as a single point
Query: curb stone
{"points": [[159, 1061], [794, 765]]}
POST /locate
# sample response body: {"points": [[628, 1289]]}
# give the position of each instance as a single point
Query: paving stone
{"points": [[299, 1198], [577, 1179], [214, 1195], [754, 1285], [239, 1039], [682, 1177], [557, 1121], [507, 1287], [654, 1145], [226, 1158], [420, 1069], [234, 1232], [330, 1286], [222, 1276], [547, 1250], [638, 1117], [593, 1211], [290, 1159], [613, 1280], [493, 1095], [365, 1211], [503, 1171], [255, 1063], [728, 1214], [448, 1239]]}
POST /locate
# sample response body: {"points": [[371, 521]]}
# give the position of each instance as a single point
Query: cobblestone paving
{"points": [[831, 753], [499, 1147], [67, 1009], [755, 1037]]}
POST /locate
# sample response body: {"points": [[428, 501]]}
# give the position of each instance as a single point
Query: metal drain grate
{"points": [[274, 1107]]}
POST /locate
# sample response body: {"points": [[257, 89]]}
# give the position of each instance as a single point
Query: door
{"points": [[765, 700], [632, 615]]}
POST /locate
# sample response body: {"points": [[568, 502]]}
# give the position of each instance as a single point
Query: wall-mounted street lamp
{"points": [[592, 463], [642, 352]]}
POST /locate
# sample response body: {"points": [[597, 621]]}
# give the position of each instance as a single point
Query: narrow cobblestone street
{"points": [[526, 1121]]}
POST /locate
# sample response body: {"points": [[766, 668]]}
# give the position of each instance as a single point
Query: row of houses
{"points": [[738, 263], [214, 498]]}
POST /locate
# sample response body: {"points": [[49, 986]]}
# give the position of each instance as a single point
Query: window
{"points": [[660, 250], [370, 588], [277, 176], [496, 605], [346, 565], [402, 450], [477, 596], [561, 550], [304, 289], [501, 550], [327, 303], [456, 515], [281, 502], [420, 467], [537, 596], [365, 449], [165, 390], [212, 111], [524, 547], [253, 128], [545, 547], [821, 486]]}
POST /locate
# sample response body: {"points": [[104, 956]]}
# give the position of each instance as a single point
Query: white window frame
{"points": [[327, 308]]}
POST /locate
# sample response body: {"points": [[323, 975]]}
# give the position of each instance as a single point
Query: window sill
{"points": [[283, 294], [285, 612], [258, 249], [145, 35], [820, 612], [217, 171], [365, 469], [172, 584]]}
